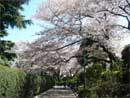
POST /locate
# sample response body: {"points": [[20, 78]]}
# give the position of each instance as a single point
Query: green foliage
{"points": [[10, 17], [126, 69], [126, 66], [74, 82], [18, 84], [86, 93], [37, 83], [101, 82], [93, 73], [126, 54], [10, 14], [93, 76], [11, 82]]}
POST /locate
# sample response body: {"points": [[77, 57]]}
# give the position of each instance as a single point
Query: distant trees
{"points": [[10, 17]]}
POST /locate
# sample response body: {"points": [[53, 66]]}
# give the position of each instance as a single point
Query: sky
{"points": [[27, 34]]}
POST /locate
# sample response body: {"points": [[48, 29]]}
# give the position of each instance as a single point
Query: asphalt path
{"points": [[58, 92]]}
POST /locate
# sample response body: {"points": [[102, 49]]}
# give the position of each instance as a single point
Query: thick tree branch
{"points": [[89, 58], [70, 44]]}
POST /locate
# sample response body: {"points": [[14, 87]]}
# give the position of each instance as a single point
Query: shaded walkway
{"points": [[58, 92]]}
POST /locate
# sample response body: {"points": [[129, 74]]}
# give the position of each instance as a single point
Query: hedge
{"points": [[37, 83], [19, 84]]}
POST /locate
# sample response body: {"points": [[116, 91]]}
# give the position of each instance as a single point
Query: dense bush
{"points": [[18, 84], [11, 82], [37, 83], [101, 82]]}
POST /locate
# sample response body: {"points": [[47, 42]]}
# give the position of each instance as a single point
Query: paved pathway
{"points": [[58, 92]]}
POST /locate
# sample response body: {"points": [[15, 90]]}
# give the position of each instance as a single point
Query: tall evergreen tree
{"points": [[10, 16], [126, 67], [126, 70]]}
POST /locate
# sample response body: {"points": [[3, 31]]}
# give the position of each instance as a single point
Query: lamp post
{"points": [[85, 62], [64, 76]]}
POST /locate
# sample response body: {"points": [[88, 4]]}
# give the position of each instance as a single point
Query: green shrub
{"points": [[11, 82], [18, 84], [86, 93], [37, 83]]}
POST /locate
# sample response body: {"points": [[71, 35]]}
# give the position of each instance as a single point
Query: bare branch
{"points": [[123, 9], [122, 26], [114, 13], [128, 2]]}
